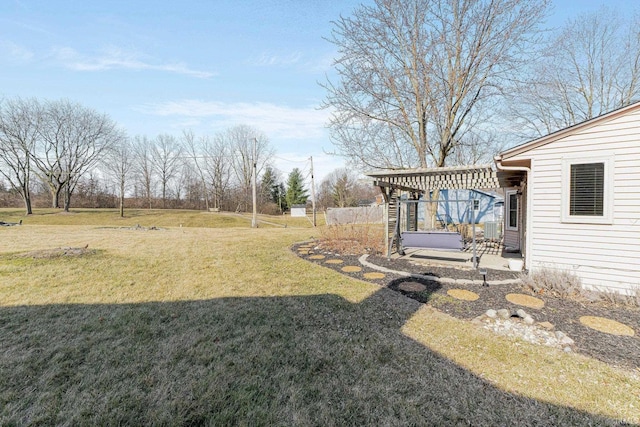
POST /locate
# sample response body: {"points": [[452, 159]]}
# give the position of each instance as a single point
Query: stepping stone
{"points": [[316, 257], [334, 261], [463, 294], [525, 300], [546, 325], [608, 326], [351, 269], [412, 287], [373, 276]]}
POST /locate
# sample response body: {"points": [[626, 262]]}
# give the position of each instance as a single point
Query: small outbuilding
{"points": [[298, 211]]}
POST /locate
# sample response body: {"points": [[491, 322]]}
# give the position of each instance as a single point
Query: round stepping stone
{"points": [[317, 257], [525, 300], [412, 287], [608, 326], [334, 261], [463, 294], [351, 269], [373, 276]]}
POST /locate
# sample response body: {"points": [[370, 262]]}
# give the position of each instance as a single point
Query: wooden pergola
{"points": [[424, 180]]}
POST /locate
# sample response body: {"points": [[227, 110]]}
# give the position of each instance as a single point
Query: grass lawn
{"points": [[215, 323]]}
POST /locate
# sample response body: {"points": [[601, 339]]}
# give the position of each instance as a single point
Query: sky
{"points": [[157, 66]]}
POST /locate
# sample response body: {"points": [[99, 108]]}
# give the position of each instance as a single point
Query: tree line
{"points": [[68, 150]]}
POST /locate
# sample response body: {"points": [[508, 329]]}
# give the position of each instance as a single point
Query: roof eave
{"points": [[527, 146]]}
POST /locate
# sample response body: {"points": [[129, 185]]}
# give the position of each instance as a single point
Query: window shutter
{"points": [[587, 189]]}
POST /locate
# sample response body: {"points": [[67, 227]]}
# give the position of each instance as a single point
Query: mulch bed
{"points": [[564, 314]]}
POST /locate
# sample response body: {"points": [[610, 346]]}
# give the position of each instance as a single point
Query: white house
{"points": [[577, 205]]}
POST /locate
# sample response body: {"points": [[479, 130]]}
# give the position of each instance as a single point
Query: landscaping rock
{"points": [[504, 313]]}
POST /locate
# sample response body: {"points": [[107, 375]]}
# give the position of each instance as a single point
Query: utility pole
{"points": [[313, 194], [254, 219]]}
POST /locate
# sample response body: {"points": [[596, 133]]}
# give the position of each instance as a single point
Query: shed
{"points": [[575, 205], [299, 211]]}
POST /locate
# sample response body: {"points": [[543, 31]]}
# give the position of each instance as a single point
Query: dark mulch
{"points": [[564, 314]]}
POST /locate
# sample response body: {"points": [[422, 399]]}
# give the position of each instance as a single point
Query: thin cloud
{"points": [[267, 59], [15, 52], [114, 58], [277, 121]]}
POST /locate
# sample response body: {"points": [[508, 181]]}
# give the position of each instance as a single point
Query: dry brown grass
{"points": [[353, 239], [226, 326]]}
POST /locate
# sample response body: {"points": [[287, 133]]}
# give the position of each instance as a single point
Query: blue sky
{"points": [[159, 66]]}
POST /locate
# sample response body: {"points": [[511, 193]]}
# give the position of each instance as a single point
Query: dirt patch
{"points": [[59, 252]]}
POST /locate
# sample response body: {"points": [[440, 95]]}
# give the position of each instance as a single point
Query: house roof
{"points": [[547, 139]]}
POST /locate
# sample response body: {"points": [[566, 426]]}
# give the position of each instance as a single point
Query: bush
{"points": [[564, 284], [555, 282]]}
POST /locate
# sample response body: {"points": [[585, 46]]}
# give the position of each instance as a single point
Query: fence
{"points": [[359, 215]]}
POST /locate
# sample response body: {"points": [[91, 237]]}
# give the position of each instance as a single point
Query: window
{"points": [[512, 210], [587, 190]]}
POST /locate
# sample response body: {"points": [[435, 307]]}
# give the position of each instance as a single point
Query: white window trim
{"points": [[607, 212], [507, 204]]}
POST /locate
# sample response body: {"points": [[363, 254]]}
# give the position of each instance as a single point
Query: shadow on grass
{"points": [[312, 360]]}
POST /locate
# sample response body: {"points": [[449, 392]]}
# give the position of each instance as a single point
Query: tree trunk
{"points": [[67, 198], [55, 196], [26, 197], [122, 199]]}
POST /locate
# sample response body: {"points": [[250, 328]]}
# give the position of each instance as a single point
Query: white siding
{"points": [[603, 255]]}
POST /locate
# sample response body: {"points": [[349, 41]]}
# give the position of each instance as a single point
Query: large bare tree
{"points": [[19, 123], [591, 66], [143, 167], [119, 162], [418, 78], [166, 158], [194, 147], [72, 139], [217, 169], [243, 140]]}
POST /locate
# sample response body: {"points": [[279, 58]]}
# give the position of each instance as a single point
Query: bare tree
{"points": [[72, 139], [241, 140], [217, 167], [19, 124], [143, 166], [194, 148], [417, 77], [590, 67], [119, 164], [166, 159]]}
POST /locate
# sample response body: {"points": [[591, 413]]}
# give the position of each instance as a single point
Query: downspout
{"points": [[527, 170]]}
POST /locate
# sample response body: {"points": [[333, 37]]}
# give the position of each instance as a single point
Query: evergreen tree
{"points": [[296, 193], [267, 184], [271, 190]]}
